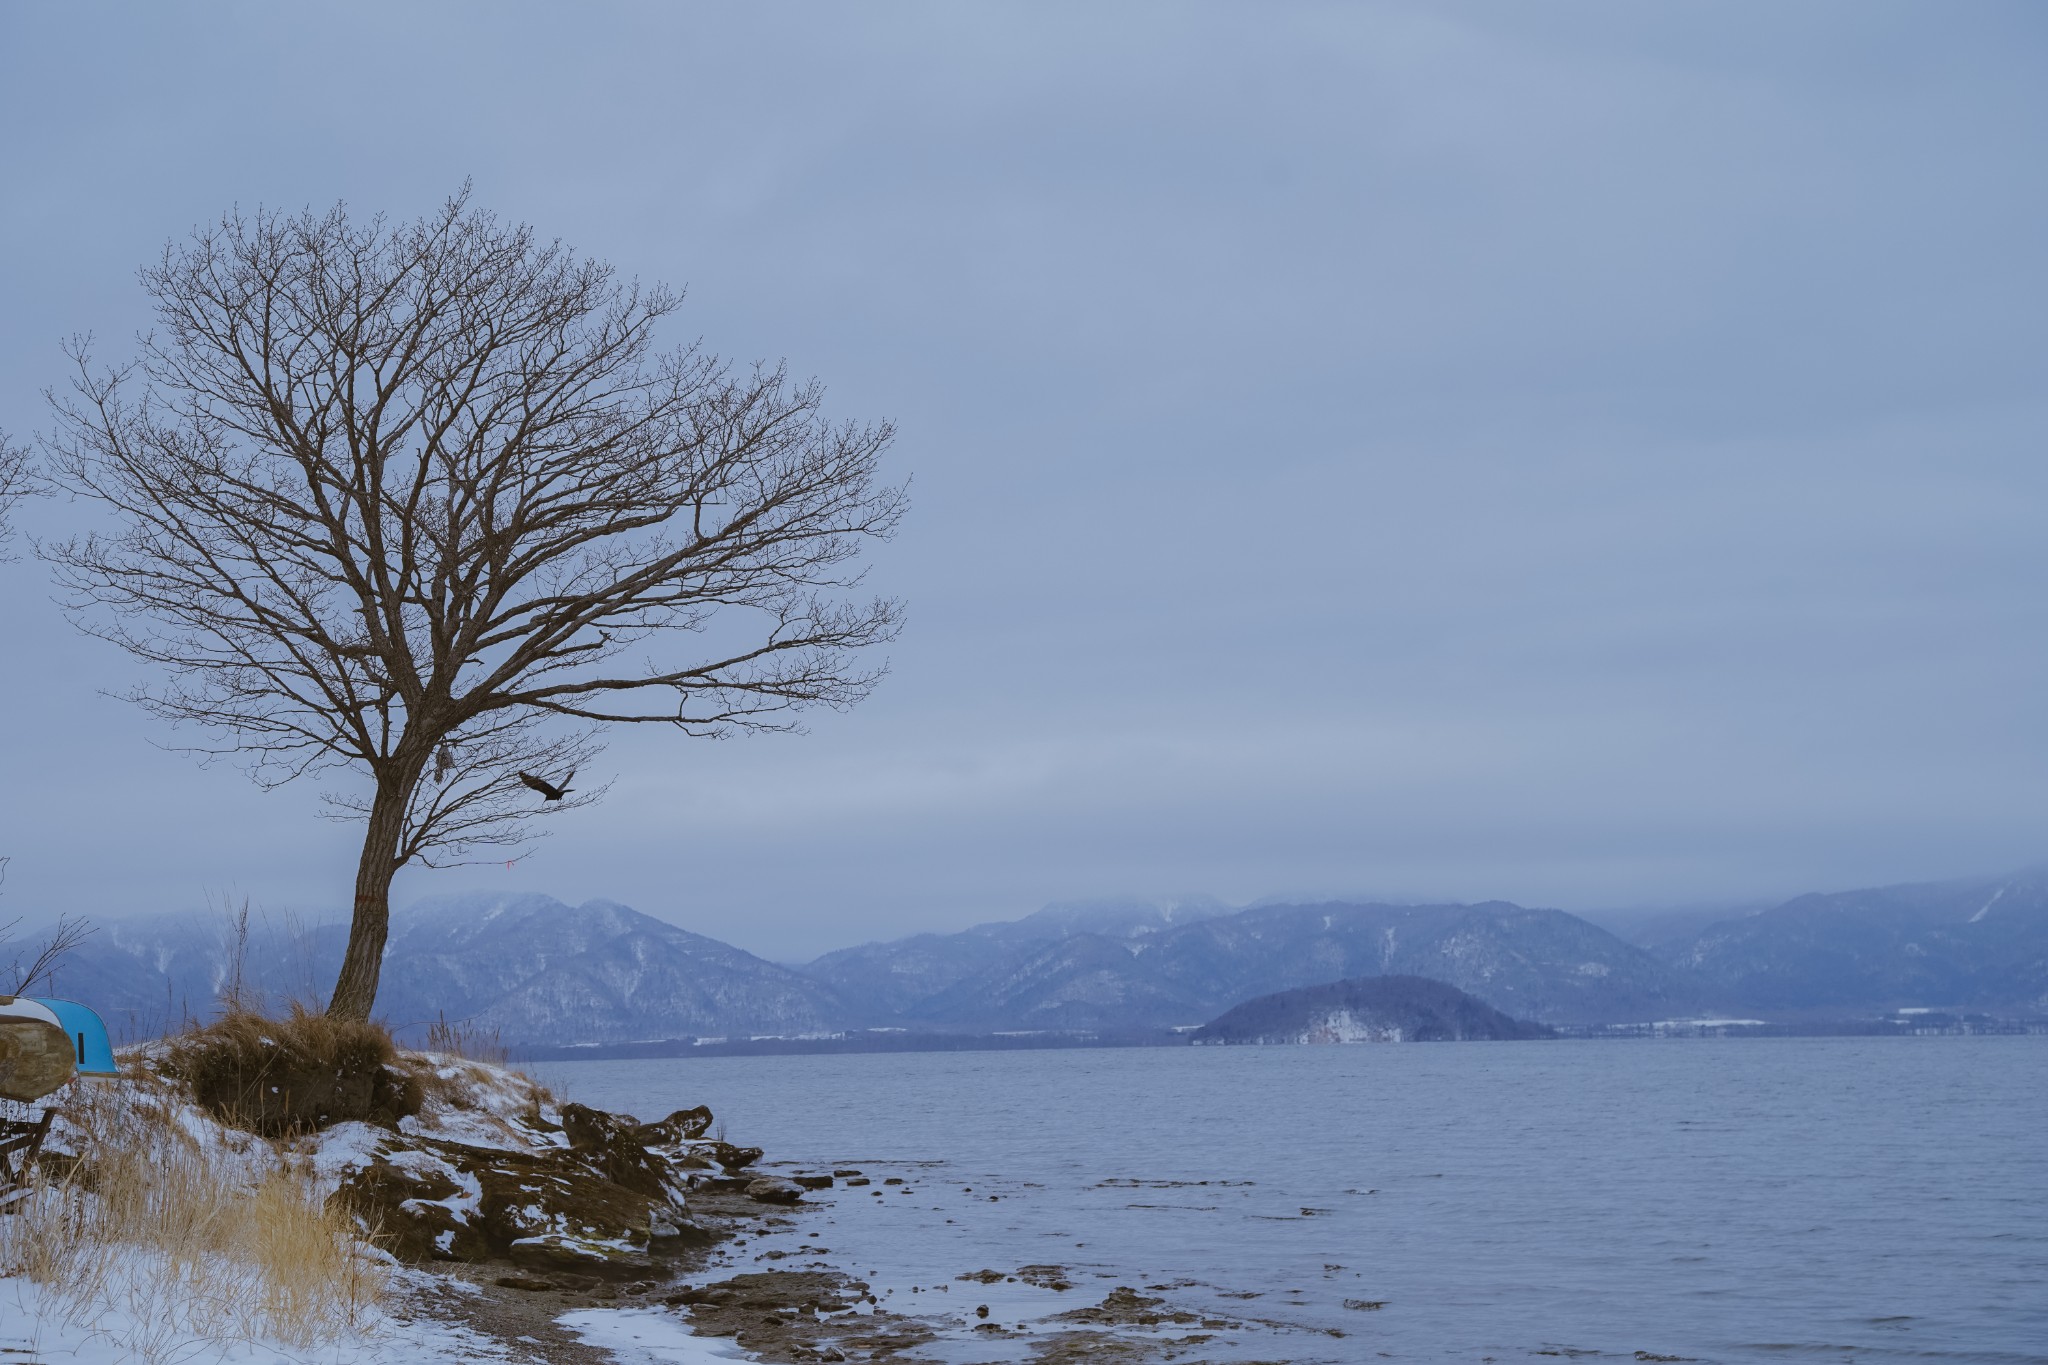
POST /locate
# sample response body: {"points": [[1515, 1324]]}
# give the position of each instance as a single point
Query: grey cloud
{"points": [[1585, 453]]}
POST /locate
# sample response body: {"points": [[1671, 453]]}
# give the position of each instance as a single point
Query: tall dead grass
{"points": [[156, 1237], [470, 1041]]}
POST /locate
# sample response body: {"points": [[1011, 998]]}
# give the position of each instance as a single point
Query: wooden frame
{"points": [[20, 1142]]}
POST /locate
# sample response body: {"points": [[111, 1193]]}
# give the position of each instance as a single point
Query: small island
{"points": [[1367, 1009]]}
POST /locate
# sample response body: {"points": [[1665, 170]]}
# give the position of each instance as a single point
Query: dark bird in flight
{"points": [[547, 788]]}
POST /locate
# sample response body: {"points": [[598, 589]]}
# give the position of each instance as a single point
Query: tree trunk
{"points": [[355, 990]]}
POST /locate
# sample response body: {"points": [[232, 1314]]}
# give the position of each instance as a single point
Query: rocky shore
{"points": [[537, 1212], [556, 1231], [535, 1209], [541, 1211]]}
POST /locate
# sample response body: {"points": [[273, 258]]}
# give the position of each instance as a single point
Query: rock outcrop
{"points": [[643, 1157], [587, 1191], [492, 1168], [770, 1189], [35, 1055], [443, 1159]]}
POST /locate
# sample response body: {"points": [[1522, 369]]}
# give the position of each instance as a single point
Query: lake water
{"points": [[1780, 1200]]}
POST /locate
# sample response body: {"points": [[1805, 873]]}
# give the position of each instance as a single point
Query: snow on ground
{"points": [[483, 1106], [644, 1336], [471, 1103], [133, 1309], [128, 1318], [37, 1325]]}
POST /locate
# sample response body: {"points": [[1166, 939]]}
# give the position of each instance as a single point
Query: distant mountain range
{"points": [[1980, 944], [525, 966], [1540, 963], [896, 978], [539, 971]]}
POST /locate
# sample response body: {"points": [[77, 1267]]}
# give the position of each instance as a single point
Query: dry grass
{"points": [[291, 1075], [156, 1238], [471, 1042], [448, 1082], [460, 1065]]}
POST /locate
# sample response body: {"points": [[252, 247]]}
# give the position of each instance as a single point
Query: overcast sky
{"points": [[1584, 454]]}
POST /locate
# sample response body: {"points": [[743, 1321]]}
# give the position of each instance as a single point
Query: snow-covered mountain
{"points": [[536, 969], [528, 966], [885, 980], [1978, 943], [1538, 964], [539, 971]]}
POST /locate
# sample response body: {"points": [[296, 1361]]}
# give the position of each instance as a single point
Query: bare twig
{"points": [[26, 976], [17, 482], [235, 993]]}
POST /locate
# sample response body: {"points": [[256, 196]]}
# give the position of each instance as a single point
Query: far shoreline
{"points": [[902, 1041]]}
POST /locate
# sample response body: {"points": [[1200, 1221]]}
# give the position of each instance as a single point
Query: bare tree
{"points": [[425, 502], [17, 481]]}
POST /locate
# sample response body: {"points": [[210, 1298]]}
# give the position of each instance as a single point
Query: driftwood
{"points": [[35, 1058]]}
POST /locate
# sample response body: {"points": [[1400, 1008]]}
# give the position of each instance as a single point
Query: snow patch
{"points": [[1344, 1026], [129, 1322], [339, 1152], [499, 1109], [642, 1336]]}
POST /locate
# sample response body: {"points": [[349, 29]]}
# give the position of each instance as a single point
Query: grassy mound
{"points": [[307, 1071]]}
